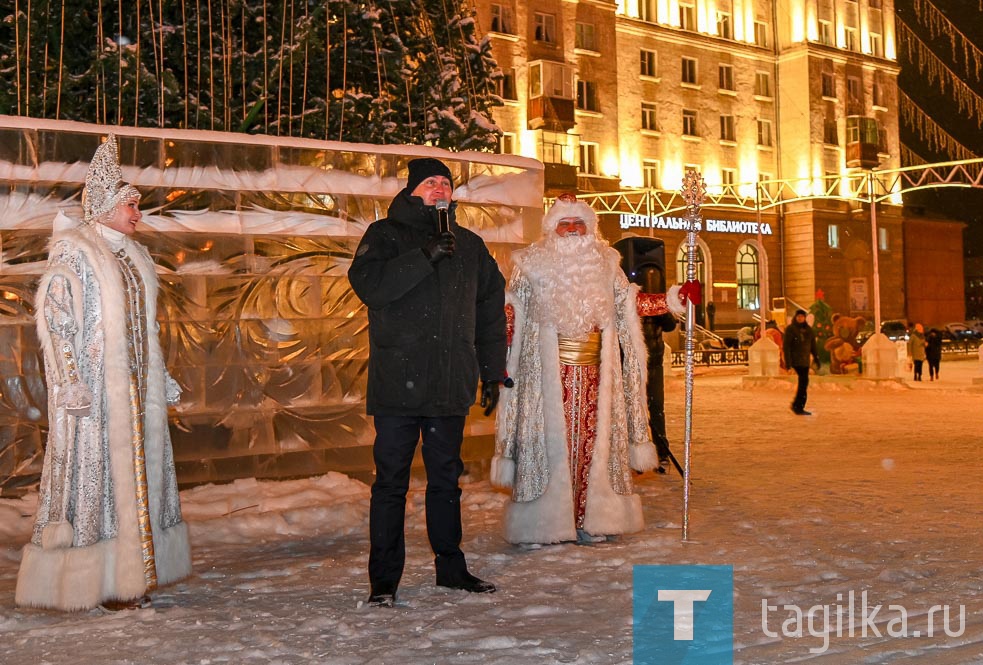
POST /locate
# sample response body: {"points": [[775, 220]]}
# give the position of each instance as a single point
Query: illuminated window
{"points": [[556, 148], [689, 123], [826, 33], [545, 28], [833, 236], [506, 84], [853, 90], [748, 283], [830, 135], [588, 158], [765, 180], [828, 80], [687, 15], [650, 173], [882, 242], [649, 118], [762, 84], [761, 33], [728, 176], [877, 95], [764, 133], [681, 262], [506, 144], [876, 45], [851, 38], [501, 19], [586, 95], [727, 128], [585, 38], [649, 63], [689, 71], [551, 79], [648, 10], [725, 77], [724, 28]]}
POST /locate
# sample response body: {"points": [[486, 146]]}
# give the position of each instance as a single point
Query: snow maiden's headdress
{"points": [[104, 187]]}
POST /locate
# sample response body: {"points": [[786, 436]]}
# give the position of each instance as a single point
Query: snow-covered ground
{"points": [[878, 492]]}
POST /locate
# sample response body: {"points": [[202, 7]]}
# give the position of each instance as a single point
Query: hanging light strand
{"points": [[938, 73], [938, 25], [930, 131]]}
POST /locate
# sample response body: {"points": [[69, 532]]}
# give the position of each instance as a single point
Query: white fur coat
{"points": [[66, 566], [531, 440]]}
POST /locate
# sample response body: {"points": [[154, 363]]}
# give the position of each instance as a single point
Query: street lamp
{"points": [[874, 250]]}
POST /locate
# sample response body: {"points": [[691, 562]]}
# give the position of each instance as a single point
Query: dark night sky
{"points": [[961, 204]]}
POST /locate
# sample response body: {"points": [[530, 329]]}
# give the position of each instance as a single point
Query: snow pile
{"points": [[332, 504], [877, 495]]}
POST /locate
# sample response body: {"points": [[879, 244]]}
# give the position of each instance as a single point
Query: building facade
{"points": [[620, 98]]}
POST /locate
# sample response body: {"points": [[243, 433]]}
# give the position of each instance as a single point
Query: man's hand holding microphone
{"points": [[441, 245]]}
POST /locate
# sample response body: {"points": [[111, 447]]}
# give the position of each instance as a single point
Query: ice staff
{"points": [[693, 192]]}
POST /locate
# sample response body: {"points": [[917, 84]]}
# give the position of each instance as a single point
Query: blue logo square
{"points": [[683, 615]]}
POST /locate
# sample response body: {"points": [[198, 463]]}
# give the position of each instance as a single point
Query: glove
{"points": [[439, 247], [489, 396]]}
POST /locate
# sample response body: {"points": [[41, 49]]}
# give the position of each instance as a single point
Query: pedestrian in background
{"points": [[933, 352], [916, 349], [799, 346]]}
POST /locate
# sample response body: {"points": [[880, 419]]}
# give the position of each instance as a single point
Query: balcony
{"points": [[864, 139], [560, 177], [552, 113]]}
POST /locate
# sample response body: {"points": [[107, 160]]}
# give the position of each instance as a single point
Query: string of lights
{"points": [[939, 73], [930, 131], [939, 25]]}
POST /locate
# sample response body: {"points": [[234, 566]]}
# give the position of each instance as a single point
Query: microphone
{"points": [[443, 221]]}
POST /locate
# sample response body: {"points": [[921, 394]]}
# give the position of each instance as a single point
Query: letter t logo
{"points": [[682, 609]]}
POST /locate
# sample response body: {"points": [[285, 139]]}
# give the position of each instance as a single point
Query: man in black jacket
{"points": [[800, 348], [436, 305]]}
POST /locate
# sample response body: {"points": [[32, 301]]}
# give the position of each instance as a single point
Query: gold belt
{"points": [[580, 351]]}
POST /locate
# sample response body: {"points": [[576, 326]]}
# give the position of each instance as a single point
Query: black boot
{"points": [[383, 595], [466, 582]]}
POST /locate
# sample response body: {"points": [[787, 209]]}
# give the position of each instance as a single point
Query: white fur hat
{"points": [[568, 205]]}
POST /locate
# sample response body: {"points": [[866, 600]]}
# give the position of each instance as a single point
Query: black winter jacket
{"points": [[433, 328], [799, 345]]}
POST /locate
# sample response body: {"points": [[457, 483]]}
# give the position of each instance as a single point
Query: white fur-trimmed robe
{"points": [[531, 440], [57, 571]]}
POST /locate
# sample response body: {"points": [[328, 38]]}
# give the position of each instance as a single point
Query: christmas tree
{"points": [[401, 71]]}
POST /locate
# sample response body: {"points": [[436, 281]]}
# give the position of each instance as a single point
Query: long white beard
{"points": [[574, 278]]}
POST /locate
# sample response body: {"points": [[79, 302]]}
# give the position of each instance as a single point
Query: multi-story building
{"points": [[627, 96]]}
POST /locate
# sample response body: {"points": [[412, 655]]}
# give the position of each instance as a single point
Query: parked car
{"points": [[976, 325], [960, 332], [895, 329]]}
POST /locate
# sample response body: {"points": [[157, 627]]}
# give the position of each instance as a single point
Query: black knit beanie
{"points": [[421, 169]]}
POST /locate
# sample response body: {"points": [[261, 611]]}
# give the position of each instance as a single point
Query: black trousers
{"points": [[918, 369], [801, 390], [933, 368], [396, 438]]}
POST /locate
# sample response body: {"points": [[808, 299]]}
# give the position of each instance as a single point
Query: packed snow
{"points": [[877, 493]]}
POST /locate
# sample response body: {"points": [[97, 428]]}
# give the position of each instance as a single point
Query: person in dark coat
{"points": [[933, 352], [436, 309], [799, 346]]}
